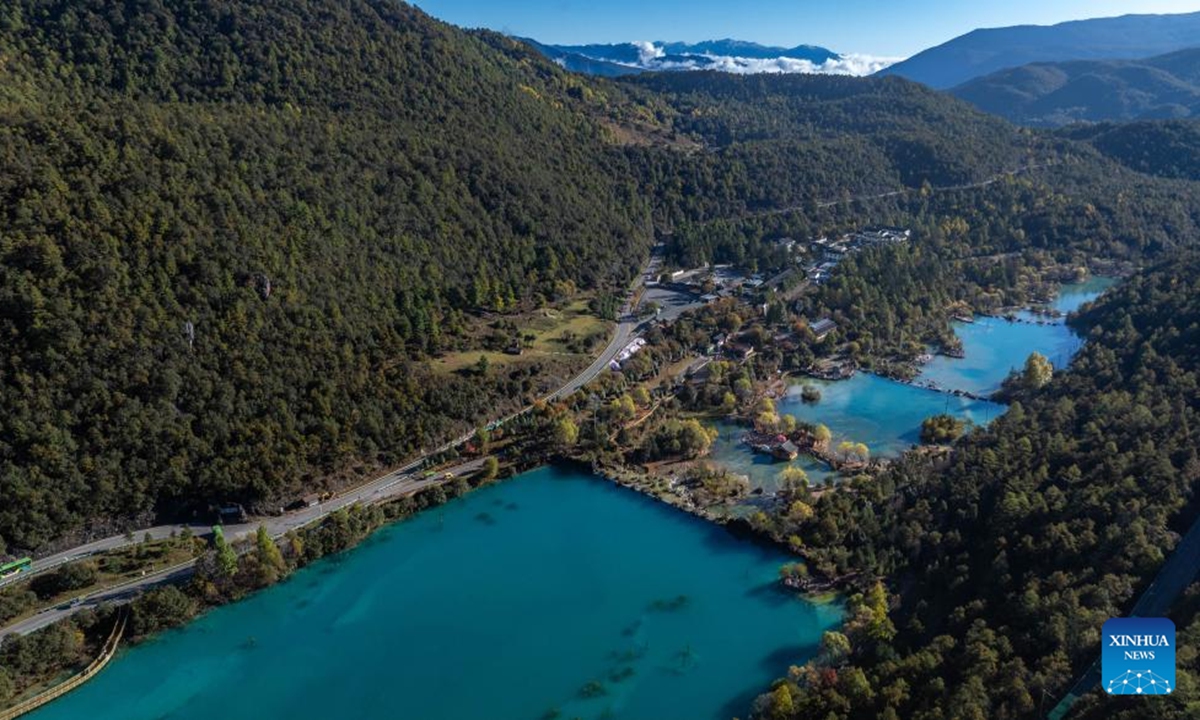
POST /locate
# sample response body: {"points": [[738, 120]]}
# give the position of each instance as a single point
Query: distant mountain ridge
{"points": [[576, 62], [985, 51], [1164, 148], [1054, 94], [727, 55]]}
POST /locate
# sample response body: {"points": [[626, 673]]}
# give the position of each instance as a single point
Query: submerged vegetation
{"points": [[235, 253], [279, 212], [1031, 535]]}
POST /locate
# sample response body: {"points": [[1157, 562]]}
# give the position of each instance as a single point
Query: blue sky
{"points": [[875, 27]]}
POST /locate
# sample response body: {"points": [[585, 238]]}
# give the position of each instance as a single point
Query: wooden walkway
{"points": [[93, 668]]}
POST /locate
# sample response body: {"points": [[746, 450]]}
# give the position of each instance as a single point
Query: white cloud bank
{"points": [[648, 52], [652, 56], [852, 64]]}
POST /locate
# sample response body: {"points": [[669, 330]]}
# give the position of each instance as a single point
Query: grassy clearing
{"points": [[563, 331], [454, 362], [570, 330]]}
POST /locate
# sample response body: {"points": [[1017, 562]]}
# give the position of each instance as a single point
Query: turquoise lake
{"points": [[887, 415], [995, 347], [504, 604], [884, 414], [1072, 296]]}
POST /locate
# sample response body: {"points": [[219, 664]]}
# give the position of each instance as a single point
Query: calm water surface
{"points": [[503, 605], [1073, 295], [884, 414], [995, 347], [887, 415], [554, 591]]}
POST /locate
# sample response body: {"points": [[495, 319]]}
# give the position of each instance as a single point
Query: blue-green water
{"points": [[1072, 296], [503, 605], [887, 415], [763, 470], [995, 347], [884, 414]]}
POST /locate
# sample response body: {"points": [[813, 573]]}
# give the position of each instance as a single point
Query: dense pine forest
{"points": [[1008, 557], [1166, 148], [236, 235], [800, 140], [233, 232]]}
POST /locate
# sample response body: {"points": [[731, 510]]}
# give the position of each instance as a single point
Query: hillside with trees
{"points": [[1164, 148], [1055, 94], [800, 140], [232, 231], [1005, 559], [235, 234]]}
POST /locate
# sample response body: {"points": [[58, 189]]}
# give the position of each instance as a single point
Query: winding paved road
{"points": [[890, 193], [394, 484], [402, 481], [94, 548]]}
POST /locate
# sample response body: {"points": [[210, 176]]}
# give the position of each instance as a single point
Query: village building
{"points": [[629, 351], [822, 327], [785, 450], [739, 351]]}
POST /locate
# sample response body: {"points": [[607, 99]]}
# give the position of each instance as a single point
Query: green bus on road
{"points": [[12, 568]]}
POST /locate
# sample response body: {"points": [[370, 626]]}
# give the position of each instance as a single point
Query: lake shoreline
{"points": [[884, 406], [386, 514], [442, 538]]}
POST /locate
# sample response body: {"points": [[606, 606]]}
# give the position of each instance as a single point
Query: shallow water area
{"points": [[554, 591]]}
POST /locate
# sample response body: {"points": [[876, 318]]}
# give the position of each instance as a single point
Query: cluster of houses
{"points": [[713, 281], [825, 253], [734, 348], [627, 352], [731, 347], [721, 345], [818, 257]]}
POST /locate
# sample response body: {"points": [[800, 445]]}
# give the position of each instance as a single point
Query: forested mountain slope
{"points": [[835, 151], [781, 140], [1052, 94], [1008, 557], [1164, 148], [233, 233], [320, 188]]}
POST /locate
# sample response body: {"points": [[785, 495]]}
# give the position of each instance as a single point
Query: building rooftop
{"points": [[823, 327]]}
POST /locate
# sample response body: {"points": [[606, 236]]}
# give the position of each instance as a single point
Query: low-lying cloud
{"points": [[648, 52], [852, 64], [729, 56]]}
